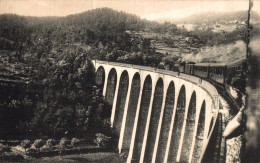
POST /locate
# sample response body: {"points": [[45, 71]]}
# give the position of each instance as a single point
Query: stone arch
{"points": [[154, 121], [167, 115], [189, 129], [121, 99], [214, 151], [131, 112], [145, 102], [111, 86], [100, 77], [178, 125], [210, 126], [199, 134]]}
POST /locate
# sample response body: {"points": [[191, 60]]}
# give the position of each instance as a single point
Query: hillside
{"points": [[104, 27], [110, 35], [212, 18], [216, 22], [100, 21]]}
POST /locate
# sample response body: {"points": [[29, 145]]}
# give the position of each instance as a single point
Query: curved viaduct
{"points": [[159, 115]]}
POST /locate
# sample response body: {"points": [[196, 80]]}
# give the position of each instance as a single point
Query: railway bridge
{"points": [[162, 116]]}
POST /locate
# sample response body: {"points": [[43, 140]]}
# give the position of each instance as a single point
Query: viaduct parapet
{"points": [[162, 116]]}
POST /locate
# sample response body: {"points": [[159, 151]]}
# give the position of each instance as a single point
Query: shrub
{"points": [[4, 148], [63, 144], [38, 143], [49, 143], [102, 140], [106, 123], [26, 144], [74, 142]]}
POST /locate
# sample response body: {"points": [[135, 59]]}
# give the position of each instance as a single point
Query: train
{"points": [[219, 73]]}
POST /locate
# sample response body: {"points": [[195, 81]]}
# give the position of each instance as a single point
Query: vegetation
{"points": [[101, 34], [52, 93], [38, 144], [49, 143], [63, 144], [208, 37], [59, 99], [74, 142], [102, 140], [26, 144], [4, 148], [98, 157], [213, 17]]}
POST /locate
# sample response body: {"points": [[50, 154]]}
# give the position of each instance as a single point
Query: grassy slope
{"points": [[101, 157]]}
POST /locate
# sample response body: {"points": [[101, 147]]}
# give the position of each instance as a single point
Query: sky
{"points": [[148, 9]]}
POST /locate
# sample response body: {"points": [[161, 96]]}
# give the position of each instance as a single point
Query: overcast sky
{"points": [[149, 9]]}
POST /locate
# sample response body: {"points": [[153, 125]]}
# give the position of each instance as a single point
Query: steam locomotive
{"points": [[220, 73]]}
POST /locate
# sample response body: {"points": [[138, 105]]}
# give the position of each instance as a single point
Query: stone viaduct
{"points": [[162, 116]]}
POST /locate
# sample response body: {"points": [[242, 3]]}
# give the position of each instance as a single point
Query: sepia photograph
{"points": [[133, 81]]}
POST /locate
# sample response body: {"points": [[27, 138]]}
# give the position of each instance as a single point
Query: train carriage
{"points": [[222, 73], [217, 72], [201, 69], [189, 69]]}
